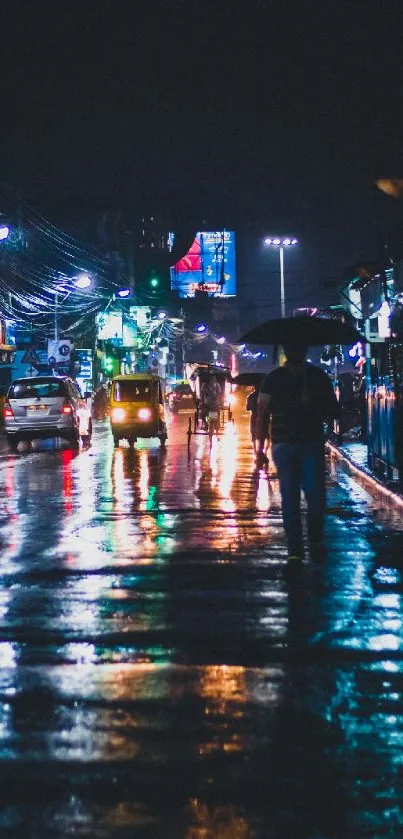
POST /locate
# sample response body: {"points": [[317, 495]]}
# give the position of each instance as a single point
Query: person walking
{"points": [[295, 401], [100, 403], [251, 405], [210, 398]]}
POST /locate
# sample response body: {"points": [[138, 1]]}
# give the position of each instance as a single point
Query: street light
{"points": [[279, 243], [124, 292], [4, 232], [67, 285], [82, 281]]}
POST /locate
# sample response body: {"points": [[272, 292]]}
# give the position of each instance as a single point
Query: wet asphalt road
{"points": [[165, 674]]}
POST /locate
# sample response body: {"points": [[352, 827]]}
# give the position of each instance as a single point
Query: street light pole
{"points": [[282, 286], [56, 314], [281, 244], [69, 284]]}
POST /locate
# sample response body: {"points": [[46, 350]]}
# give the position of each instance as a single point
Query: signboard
{"points": [[84, 359], [59, 352], [30, 362], [7, 354], [30, 357], [129, 331], [141, 314], [209, 265], [110, 327], [152, 361]]}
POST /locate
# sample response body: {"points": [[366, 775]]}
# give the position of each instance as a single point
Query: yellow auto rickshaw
{"points": [[137, 407]]}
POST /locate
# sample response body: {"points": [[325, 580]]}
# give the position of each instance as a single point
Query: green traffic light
{"points": [[154, 282]]}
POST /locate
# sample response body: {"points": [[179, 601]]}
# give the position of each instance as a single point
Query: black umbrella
{"points": [[252, 379], [309, 330]]}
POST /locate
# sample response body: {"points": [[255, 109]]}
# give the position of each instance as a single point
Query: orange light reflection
{"points": [[263, 497], [67, 477], [217, 822]]}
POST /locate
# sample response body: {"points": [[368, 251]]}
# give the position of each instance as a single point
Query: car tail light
{"points": [[118, 414], [144, 413], [7, 412], [67, 408]]}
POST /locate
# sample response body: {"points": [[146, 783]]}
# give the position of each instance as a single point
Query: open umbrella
{"points": [[309, 330], [392, 186], [248, 379]]}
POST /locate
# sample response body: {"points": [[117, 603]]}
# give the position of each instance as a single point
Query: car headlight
{"points": [[118, 414], [144, 414]]}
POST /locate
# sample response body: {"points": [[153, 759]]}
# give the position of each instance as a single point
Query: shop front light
{"points": [[384, 311]]}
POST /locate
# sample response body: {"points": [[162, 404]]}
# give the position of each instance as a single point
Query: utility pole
{"points": [[56, 314], [183, 342]]}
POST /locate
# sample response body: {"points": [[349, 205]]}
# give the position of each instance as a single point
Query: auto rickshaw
{"points": [[137, 407]]}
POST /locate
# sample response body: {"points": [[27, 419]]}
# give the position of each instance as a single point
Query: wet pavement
{"points": [[165, 674]]}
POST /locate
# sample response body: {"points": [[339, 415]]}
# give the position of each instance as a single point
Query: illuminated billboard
{"points": [[209, 265], [110, 325]]}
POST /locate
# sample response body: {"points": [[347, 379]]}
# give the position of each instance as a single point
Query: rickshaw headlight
{"points": [[144, 414], [118, 414]]}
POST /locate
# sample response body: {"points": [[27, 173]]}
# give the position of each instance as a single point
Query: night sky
{"points": [[256, 116]]}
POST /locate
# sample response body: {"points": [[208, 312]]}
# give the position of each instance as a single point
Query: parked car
{"points": [[46, 406], [3, 391], [180, 397]]}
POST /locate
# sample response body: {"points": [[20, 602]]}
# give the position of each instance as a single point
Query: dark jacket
{"points": [[301, 399], [251, 402]]}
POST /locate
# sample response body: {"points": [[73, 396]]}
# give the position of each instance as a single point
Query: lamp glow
{"points": [[118, 414], [82, 281], [144, 414], [385, 309], [4, 232]]}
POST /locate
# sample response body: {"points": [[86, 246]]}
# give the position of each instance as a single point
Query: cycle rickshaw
{"points": [[208, 422]]}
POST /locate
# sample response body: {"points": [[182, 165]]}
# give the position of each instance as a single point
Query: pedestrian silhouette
{"points": [[295, 401], [251, 405]]}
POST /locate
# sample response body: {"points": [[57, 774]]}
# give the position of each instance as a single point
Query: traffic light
{"points": [[108, 364], [153, 285], [154, 281]]}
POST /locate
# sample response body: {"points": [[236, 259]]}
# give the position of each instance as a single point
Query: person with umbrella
{"points": [[210, 397], [254, 379], [251, 406], [294, 402]]}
